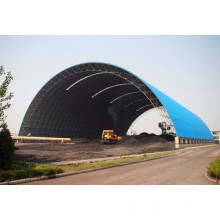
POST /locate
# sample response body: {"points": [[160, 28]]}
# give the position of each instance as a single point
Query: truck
{"points": [[108, 137]]}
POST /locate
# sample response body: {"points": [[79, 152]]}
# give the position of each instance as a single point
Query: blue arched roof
{"points": [[186, 123]]}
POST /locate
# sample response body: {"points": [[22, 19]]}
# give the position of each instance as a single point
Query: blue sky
{"points": [[186, 68]]}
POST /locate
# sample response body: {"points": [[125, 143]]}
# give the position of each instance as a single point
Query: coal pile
{"points": [[145, 138]]}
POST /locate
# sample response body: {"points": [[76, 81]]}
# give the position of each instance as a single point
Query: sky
{"points": [[186, 68]]}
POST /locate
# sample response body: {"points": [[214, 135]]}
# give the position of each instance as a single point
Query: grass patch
{"points": [[110, 163], [22, 170], [214, 168]]}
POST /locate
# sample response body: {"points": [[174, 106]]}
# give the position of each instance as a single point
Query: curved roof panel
{"points": [[186, 123], [85, 99]]}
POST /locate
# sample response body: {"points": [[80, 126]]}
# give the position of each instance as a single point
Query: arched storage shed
{"points": [[85, 99]]}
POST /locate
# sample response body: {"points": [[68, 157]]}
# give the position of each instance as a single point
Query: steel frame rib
{"points": [[134, 102], [122, 84], [86, 77], [123, 96], [143, 107]]}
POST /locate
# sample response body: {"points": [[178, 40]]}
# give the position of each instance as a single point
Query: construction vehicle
{"points": [[108, 137]]}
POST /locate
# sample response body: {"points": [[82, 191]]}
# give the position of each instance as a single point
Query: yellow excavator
{"points": [[108, 137]]}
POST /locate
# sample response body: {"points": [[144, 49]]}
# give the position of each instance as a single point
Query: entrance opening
{"points": [[147, 122]]}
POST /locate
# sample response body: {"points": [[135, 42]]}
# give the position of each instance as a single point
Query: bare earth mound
{"points": [[49, 152]]}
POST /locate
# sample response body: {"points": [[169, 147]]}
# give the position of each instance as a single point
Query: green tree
{"points": [[5, 80], [6, 142], [6, 148]]}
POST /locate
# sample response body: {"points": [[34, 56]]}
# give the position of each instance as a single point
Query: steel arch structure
{"points": [[85, 99]]}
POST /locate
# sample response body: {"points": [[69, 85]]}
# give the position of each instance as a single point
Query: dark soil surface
{"points": [[51, 152]]}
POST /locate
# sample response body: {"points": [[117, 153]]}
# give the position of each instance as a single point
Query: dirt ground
{"points": [[51, 152]]}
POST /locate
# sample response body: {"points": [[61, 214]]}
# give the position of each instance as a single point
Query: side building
{"points": [[216, 135]]}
